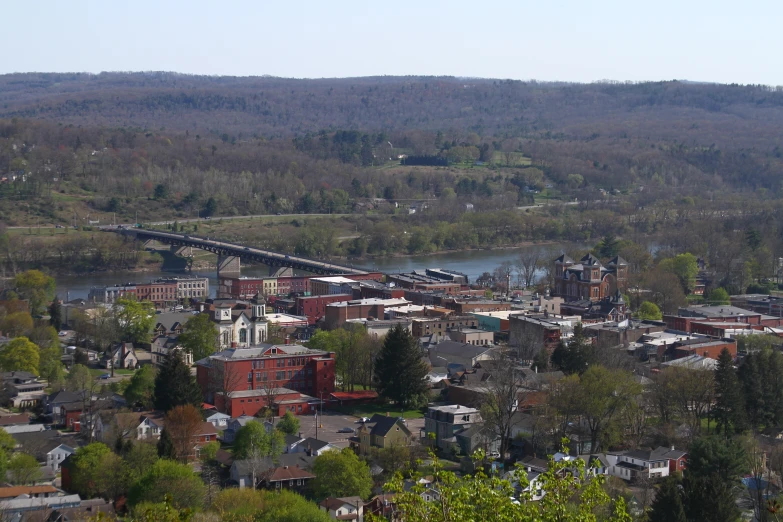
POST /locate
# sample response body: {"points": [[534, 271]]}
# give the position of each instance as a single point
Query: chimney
{"points": [[672, 448]]}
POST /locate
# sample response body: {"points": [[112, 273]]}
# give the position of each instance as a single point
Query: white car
{"points": [[62, 334], [364, 419]]}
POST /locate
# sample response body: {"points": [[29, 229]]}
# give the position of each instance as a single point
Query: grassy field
{"points": [[514, 159]]}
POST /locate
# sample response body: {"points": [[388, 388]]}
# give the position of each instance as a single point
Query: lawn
{"points": [[368, 410], [97, 372]]}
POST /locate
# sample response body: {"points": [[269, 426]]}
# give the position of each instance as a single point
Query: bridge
{"points": [[229, 254]]}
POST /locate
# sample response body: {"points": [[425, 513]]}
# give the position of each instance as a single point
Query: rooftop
{"points": [[332, 280]]}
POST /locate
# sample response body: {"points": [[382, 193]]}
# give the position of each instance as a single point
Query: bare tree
{"points": [[183, 423], [225, 379], [501, 398], [527, 265]]}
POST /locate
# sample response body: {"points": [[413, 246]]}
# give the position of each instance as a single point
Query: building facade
{"points": [[589, 279], [264, 374]]}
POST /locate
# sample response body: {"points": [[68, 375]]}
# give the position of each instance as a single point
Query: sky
{"points": [[547, 40]]}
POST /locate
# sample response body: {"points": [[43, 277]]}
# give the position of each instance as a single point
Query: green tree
{"points": [[341, 474], [649, 312], [141, 390], [668, 503], [575, 355], [399, 369], [253, 441], [729, 410], [136, 319], [211, 208], [20, 355], [566, 498], [685, 267], [175, 386], [23, 469], [608, 247], [713, 455], [161, 192], [36, 287], [719, 296], [56, 314], [605, 395], [79, 378], [200, 336], [170, 479], [709, 499], [166, 449], [17, 324], [266, 506], [50, 367], [85, 463], [139, 457], [288, 424]]}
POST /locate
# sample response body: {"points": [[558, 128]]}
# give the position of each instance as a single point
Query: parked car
{"points": [[363, 419], [105, 376], [62, 334], [345, 430]]}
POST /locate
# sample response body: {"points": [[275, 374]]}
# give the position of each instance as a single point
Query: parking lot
{"points": [[331, 422]]}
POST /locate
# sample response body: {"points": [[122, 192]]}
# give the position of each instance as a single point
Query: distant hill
{"points": [[687, 112]]}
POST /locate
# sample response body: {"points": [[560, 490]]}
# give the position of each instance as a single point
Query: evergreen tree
{"points": [[668, 505], [399, 370], [751, 382], [166, 448], [718, 456], [608, 247], [771, 368], [709, 499], [175, 386], [56, 314], [576, 355], [729, 408]]}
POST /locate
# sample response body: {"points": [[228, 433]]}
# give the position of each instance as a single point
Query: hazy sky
{"points": [[580, 40]]}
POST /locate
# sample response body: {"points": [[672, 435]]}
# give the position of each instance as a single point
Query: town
{"points": [[156, 394]]}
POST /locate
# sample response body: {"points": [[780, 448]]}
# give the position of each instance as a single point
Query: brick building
{"points": [[421, 326], [690, 315], [461, 307], [245, 380], [314, 307], [589, 279], [160, 293]]}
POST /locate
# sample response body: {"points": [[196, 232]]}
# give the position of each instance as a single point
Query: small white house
{"points": [[57, 455], [344, 508], [219, 420]]}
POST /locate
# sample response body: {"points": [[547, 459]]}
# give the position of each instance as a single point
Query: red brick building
{"points": [[162, 294], [710, 348], [690, 316], [246, 380], [314, 307], [589, 279]]}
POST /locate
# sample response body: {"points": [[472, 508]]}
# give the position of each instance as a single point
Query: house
{"points": [[218, 420], [7, 493], [133, 425], [291, 442], [634, 465], [163, 346], [241, 471], [122, 356], [14, 420], [344, 508], [383, 506], [88, 510], [57, 455], [446, 421], [452, 352], [477, 437], [13, 509], [314, 447], [381, 432], [234, 425], [292, 478], [22, 389]]}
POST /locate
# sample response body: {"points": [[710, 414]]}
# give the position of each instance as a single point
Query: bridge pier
{"points": [[283, 271], [228, 266], [182, 251]]}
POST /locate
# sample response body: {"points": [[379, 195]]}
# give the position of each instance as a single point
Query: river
{"points": [[472, 263]]}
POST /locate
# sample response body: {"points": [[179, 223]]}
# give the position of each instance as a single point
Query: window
{"points": [[299, 482], [280, 376], [249, 376], [289, 374], [206, 438], [263, 364], [290, 483], [258, 376]]}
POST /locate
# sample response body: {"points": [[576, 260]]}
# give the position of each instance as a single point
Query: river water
{"points": [[472, 263]]}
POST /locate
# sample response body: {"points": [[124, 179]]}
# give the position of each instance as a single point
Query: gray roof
{"points": [[313, 443], [456, 352], [170, 319], [381, 424], [302, 460]]}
